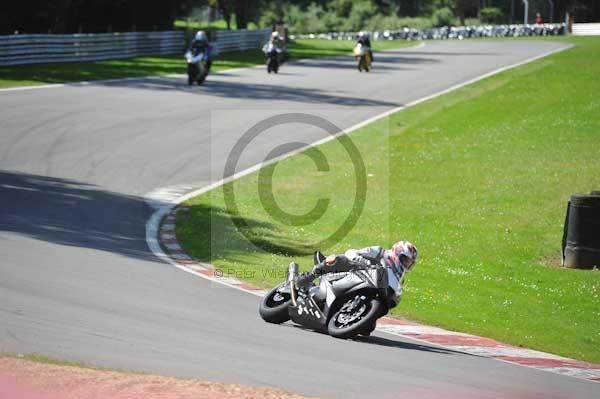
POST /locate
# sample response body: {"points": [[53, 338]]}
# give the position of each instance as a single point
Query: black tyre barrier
{"points": [[581, 240], [447, 32]]}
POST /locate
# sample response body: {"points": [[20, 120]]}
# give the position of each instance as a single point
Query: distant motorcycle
{"points": [[274, 56], [197, 66], [344, 305], [362, 54]]}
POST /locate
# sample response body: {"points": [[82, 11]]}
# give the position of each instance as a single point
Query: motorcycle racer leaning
{"points": [[400, 258]]}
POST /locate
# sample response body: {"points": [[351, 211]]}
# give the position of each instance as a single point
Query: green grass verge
{"points": [[27, 75], [214, 25], [30, 75], [480, 181]]}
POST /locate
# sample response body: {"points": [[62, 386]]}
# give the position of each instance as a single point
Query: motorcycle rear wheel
{"points": [[274, 305], [347, 324]]}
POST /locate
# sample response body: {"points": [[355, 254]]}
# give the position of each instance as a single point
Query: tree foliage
{"points": [[67, 16], [70, 16], [492, 15]]}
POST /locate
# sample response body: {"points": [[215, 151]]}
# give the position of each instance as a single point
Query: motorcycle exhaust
{"points": [[292, 273]]}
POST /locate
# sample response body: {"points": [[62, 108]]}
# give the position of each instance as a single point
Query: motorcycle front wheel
{"points": [[202, 74], [191, 70], [363, 64], [357, 315], [273, 307]]}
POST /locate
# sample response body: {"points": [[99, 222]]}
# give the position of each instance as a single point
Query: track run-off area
{"points": [[83, 168]]}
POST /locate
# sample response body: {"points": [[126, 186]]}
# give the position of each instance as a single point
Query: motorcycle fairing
{"points": [[307, 313], [194, 58], [355, 281]]}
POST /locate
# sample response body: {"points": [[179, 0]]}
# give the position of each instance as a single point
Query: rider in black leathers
{"points": [[199, 45]]}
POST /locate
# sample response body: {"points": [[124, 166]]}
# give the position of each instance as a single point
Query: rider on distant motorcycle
{"points": [[400, 258], [276, 40], [363, 39], [276, 43], [200, 45]]}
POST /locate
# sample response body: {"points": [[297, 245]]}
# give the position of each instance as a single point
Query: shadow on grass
{"points": [[209, 232], [118, 68], [96, 70]]}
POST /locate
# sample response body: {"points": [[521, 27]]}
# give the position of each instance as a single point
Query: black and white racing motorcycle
{"points": [[274, 57], [343, 305], [197, 66]]}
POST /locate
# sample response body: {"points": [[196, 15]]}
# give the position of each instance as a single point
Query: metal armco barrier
{"points": [[590, 29], [240, 40], [42, 49], [581, 241], [37, 49]]}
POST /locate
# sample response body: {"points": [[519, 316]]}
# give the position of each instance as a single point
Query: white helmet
{"points": [[200, 36], [274, 35], [402, 256]]}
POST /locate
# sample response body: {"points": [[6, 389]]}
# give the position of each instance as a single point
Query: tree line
{"points": [[86, 16], [72, 16]]}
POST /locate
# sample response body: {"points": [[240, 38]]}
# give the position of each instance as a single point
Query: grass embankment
{"points": [[478, 179], [219, 24], [28, 75]]}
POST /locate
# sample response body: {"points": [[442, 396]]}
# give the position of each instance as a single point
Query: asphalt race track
{"points": [[78, 282]]}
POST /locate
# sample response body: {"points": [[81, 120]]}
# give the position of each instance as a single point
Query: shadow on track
{"points": [[386, 342], [71, 213], [458, 53], [392, 343], [219, 236], [253, 91], [383, 61], [256, 91]]}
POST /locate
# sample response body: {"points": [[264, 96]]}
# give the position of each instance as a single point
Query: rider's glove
{"points": [[361, 262]]}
